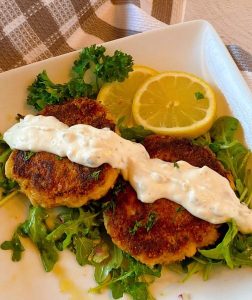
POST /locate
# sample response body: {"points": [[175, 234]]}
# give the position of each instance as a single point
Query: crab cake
{"points": [[173, 149], [161, 232], [49, 180]]}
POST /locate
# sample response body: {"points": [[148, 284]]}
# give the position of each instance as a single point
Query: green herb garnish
{"points": [[15, 245], [179, 209], [28, 155], [7, 186], [119, 187], [136, 133], [199, 96], [93, 60], [136, 226], [94, 175], [176, 165], [152, 218]]}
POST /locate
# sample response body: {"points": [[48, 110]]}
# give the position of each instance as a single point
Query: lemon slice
{"points": [[117, 97], [175, 103]]}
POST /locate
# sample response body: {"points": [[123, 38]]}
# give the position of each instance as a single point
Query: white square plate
{"points": [[192, 47]]}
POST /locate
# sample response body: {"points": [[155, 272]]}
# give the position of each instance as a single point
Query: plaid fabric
{"points": [[32, 30], [35, 30]]}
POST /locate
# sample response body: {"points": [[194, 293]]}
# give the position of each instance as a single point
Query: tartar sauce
{"points": [[202, 191]]}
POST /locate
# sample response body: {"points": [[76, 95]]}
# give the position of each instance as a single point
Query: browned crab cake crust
{"points": [[50, 181], [173, 149], [175, 233]]}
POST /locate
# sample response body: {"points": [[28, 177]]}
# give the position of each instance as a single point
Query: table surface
{"points": [[232, 19]]}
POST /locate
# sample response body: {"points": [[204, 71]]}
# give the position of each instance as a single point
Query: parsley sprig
{"points": [[89, 72], [148, 224]]}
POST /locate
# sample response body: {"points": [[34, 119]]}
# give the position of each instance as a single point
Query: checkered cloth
{"points": [[32, 30]]}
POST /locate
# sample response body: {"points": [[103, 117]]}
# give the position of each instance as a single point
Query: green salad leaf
{"points": [[81, 224], [35, 228], [7, 186], [112, 261], [223, 250], [82, 231], [89, 72], [84, 247], [234, 250], [15, 245], [221, 139], [126, 275], [136, 133]]}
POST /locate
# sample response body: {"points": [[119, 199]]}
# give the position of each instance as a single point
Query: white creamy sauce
{"points": [[202, 191]]}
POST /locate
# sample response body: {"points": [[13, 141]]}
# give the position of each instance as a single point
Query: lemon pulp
{"points": [[175, 103], [117, 97]]}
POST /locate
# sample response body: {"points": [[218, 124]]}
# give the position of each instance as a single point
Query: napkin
{"points": [[35, 30]]}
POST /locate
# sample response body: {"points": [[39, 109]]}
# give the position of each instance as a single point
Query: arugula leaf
{"points": [[84, 247], [117, 289], [224, 129], [93, 61], [229, 151], [35, 228], [82, 231], [134, 278], [235, 250], [193, 268], [66, 231], [138, 290], [223, 249], [135, 133], [203, 140], [100, 252], [15, 245], [233, 155], [7, 185], [242, 250], [126, 275], [103, 269]]}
